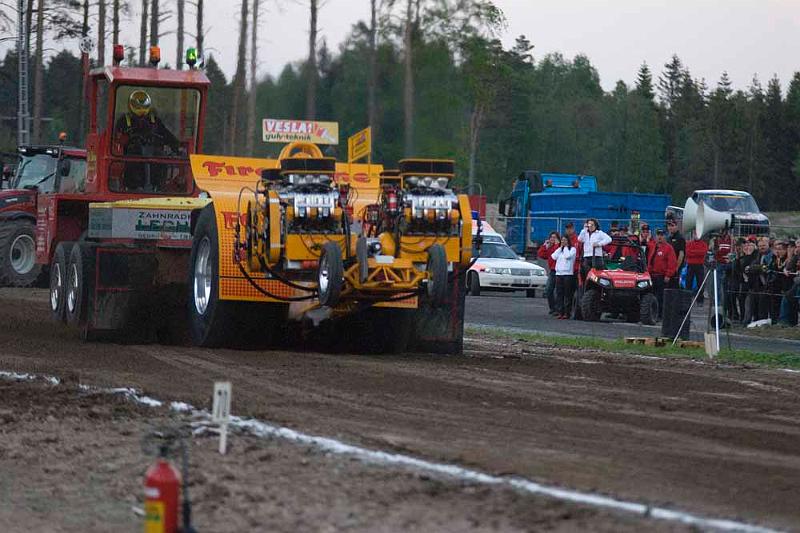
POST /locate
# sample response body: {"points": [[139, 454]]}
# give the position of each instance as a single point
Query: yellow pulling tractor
{"points": [[347, 256]]}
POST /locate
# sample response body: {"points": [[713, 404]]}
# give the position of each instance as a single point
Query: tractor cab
{"points": [[143, 125]]}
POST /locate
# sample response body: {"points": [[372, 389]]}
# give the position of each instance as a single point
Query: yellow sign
{"points": [[285, 131], [359, 145]]}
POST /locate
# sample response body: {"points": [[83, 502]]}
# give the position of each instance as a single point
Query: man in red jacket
{"points": [[545, 252], [663, 266], [696, 250]]}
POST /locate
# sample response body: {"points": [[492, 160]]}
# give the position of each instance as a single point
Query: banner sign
{"points": [[359, 145], [285, 131], [157, 224]]}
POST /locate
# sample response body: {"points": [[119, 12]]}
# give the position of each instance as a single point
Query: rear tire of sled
{"points": [[58, 279], [79, 284]]}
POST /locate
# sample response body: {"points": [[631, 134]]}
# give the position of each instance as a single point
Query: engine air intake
{"points": [[427, 167]]}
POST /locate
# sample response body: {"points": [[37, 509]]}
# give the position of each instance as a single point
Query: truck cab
{"points": [[143, 125]]}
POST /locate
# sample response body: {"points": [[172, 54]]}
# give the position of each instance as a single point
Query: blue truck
{"points": [[542, 202]]}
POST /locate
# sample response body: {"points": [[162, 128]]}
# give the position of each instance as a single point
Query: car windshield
{"points": [[494, 239], [37, 170], [733, 203], [497, 251]]}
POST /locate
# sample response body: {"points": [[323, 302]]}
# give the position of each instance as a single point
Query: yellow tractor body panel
{"points": [[223, 177]]}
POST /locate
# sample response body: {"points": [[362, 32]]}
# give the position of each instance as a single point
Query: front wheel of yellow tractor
{"points": [[437, 275], [330, 274]]}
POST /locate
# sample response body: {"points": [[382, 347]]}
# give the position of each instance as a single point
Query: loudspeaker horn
{"points": [[709, 220], [689, 216]]}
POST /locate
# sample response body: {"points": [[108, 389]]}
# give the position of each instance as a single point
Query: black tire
{"points": [[209, 317], [437, 269], [474, 284], [330, 274], [648, 309], [590, 305], [213, 322], [18, 267], [530, 293], [58, 278], [79, 284], [362, 255]]}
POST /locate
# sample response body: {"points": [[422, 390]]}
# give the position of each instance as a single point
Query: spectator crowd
{"points": [[758, 276]]}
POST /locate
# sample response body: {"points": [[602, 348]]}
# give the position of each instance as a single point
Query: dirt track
{"points": [[718, 441]]}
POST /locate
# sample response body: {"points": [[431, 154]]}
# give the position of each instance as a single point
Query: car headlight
{"points": [[643, 284], [538, 272], [604, 282]]}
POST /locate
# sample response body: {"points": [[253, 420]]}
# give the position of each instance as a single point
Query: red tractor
{"points": [[623, 287], [40, 171]]}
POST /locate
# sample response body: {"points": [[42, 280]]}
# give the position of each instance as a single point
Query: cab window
{"points": [[155, 121], [75, 180]]}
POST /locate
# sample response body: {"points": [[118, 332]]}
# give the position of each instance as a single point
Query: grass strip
{"points": [[779, 360]]}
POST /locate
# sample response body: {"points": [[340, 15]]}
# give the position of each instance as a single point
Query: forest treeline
{"points": [[432, 79]]}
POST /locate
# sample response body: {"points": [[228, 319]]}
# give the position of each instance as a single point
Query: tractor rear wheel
{"points": [[18, 266], [58, 280], [590, 305], [330, 274], [648, 309], [79, 283], [209, 317], [213, 322], [437, 271]]}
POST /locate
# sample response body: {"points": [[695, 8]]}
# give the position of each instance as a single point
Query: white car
{"points": [[499, 269]]}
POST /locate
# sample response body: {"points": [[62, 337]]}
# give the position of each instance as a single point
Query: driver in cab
{"points": [[141, 132]]}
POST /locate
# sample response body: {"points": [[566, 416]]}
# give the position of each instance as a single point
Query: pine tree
{"points": [[644, 83]]}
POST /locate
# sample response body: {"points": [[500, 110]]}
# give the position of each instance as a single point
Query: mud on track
{"points": [[718, 441]]}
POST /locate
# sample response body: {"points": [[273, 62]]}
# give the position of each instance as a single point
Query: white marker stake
{"points": [[221, 411]]}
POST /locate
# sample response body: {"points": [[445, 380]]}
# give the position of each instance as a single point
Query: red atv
{"points": [[623, 287]]}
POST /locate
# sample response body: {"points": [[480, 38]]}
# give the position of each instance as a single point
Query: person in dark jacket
{"points": [[740, 278], [758, 275]]}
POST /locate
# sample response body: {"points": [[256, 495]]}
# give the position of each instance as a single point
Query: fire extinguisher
{"points": [[163, 486], [162, 494]]}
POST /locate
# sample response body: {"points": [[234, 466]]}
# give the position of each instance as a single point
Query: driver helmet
{"points": [[139, 103]]}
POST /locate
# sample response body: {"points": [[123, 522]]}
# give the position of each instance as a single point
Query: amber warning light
{"points": [[155, 55]]}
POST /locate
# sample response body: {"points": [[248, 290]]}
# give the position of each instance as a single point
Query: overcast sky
{"points": [[744, 37]]}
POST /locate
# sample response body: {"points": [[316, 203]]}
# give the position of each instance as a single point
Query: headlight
{"points": [[538, 272], [497, 270], [604, 282], [643, 284]]}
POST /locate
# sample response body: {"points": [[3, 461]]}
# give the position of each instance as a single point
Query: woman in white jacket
{"points": [[593, 240], [564, 257]]}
